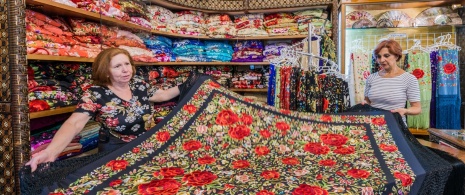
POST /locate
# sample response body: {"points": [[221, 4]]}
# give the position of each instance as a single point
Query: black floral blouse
{"points": [[124, 119]]}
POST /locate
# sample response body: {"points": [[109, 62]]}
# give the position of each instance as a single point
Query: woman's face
{"points": [[386, 60], [120, 69]]}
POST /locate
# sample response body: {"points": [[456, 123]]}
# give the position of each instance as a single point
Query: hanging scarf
{"points": [[419, 65], [434, 75], [302, 92], [271, 86], [448, 90], [361, 64], [295, 72], [277, 87]]}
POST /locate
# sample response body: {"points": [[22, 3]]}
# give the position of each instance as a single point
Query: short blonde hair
{"points": [[101, 65], [393, 47]]}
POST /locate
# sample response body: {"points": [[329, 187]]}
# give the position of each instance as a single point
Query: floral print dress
{"points": [[122, 119]]}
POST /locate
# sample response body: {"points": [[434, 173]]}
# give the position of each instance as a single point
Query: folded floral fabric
{"points": [[220, 26], [161, 18], [250, 25], [134, 8], [82, 27]]}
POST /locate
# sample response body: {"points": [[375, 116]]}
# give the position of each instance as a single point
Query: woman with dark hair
{"points": [[392, 87], [120, 102]]}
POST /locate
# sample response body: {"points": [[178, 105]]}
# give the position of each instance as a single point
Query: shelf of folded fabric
{"points": [[77, 59], [416, 131], [52, 112], [50, 7], [248, 90]]}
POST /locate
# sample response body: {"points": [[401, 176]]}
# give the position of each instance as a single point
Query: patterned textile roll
{"points": [[361, 63]]}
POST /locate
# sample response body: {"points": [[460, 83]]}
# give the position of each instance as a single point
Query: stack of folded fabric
{"points": [[133, 44], [189, 50], [106, 8], [86, 32], [317, 17], [218, 51], [281, 24], [248, 51], [53, 85], [189, 23], [250, 25], [137, 11], [273, 49], [220, 26], [53, 36], [160, 46], [222, 74], [86, 140], [162, 19], [250, 79]]}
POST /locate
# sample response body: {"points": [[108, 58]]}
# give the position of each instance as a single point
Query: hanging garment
{"points": [[419, 65], [448, 90], [277, 94], [361, 64], [271, 86], [226, 144], [301, 92], [434, 75], [295, 77]]}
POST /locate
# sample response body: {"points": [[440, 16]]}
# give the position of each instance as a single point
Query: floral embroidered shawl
{"points": [[217, 142]]}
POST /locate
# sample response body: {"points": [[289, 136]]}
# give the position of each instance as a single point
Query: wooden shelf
{"points": [[76, 59], [55, 111], [58, 58], [49, 7], [248, 90]]}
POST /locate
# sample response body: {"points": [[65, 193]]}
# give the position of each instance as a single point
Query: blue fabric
{"points": [[448, 91], [271, 86]]}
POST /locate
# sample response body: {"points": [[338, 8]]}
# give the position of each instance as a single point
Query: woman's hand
{"points": [[401, 111], [38, 158]]}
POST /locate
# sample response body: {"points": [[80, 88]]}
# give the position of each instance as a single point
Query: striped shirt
{"points": [[392, 93]]}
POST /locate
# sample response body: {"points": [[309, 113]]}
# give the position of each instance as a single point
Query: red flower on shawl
{"points": [[248, 100], [265, 133], [214, 84], [283, 126], [418, 73], [358, 173], [163, 136], [388, 148], [227, 117], [228, 186], [262, 150], [264, 192], [169, 172], [239, 132], [405, 178], [246, 119], [116, 165], [192, 145], [163, 186], [241, 164], [206, 160], [270, 174], [291, 161], [199, 178], [439, 59], [326, 118], [344, 150], [333, 139], [115, 182], [449, 68], [378, 121], [170, 72], [285, 111], [366, 74], [191, 109], [316, 148], [305, 189], [328, 163], [135, 150]]}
